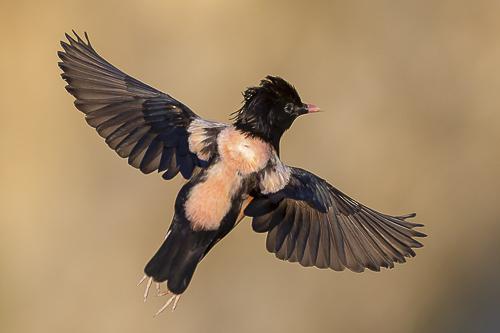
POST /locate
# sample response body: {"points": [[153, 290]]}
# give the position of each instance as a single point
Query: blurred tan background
{"points": [[411, 93]]}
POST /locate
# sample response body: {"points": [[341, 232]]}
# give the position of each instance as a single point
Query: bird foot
{"points": [[174, 298], [148, 286]]}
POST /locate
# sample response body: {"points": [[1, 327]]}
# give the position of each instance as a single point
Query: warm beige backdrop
{"points": [[412, 123]]}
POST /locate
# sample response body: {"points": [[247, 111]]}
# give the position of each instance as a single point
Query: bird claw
{"points": [[142, 280], [174, 298], [163, 293], [146, 292]]}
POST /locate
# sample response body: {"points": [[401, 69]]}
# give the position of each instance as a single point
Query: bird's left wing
{"points": [[311, 222], [151, 129]]}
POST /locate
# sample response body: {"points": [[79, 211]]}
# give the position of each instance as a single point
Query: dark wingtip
{"points": [[416, 244], [70, 89], [61, 54], [413, 225], [70, 39], [64, 45], [407, 216], [79, 40], [86, 35]]}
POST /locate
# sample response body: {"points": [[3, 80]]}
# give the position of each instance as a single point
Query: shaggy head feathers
{"points": [[263, 112]]}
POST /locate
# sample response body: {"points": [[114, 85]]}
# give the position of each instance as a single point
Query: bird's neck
{"points": [[262, 131]]}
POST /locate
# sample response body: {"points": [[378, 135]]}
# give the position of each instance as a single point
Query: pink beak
{"points": [[311, 108]]}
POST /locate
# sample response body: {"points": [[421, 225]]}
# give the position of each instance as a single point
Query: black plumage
{"points": [[139, 122], [231, 171], [359, 236]]}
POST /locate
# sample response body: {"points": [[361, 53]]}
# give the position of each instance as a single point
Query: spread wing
{"points": [[150, 128], [311, 222]]}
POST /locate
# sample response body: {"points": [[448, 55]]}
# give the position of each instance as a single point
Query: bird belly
{"points": [[211, 199]]}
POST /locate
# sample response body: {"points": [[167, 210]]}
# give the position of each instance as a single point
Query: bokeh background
{"points": [[412, 123]]}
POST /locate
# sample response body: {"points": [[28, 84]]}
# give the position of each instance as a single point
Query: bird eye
{"points": [[289, 108]]}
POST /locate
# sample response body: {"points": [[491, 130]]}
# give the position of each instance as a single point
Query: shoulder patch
{"points": [[203, 137], [275, 176]]}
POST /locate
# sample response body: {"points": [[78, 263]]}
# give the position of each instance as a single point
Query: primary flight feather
{"points": [[232, 170]]}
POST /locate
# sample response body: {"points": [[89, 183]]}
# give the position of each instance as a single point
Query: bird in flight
{"points": [[232, 171]]}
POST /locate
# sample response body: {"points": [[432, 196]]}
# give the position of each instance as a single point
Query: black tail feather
{"points": [[177, 258]]}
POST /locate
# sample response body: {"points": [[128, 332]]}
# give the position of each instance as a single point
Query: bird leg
{"points": [[174, 298]]}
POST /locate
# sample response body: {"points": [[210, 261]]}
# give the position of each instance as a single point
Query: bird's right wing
{"points": [[150, 128], [311, 222]]}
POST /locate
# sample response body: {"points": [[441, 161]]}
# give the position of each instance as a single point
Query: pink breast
{"points": [[209, 201]]}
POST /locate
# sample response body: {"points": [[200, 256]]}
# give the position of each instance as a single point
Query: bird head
{"points": [[270, 109]]}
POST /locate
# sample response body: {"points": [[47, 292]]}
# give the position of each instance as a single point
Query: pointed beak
{"points": [[311, 108]]}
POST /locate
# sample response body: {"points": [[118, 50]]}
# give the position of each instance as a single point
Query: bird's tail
{"points": [[177, 258]]}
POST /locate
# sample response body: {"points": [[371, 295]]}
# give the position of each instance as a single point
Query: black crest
{"points": [[262, 113], [272, 88]]}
